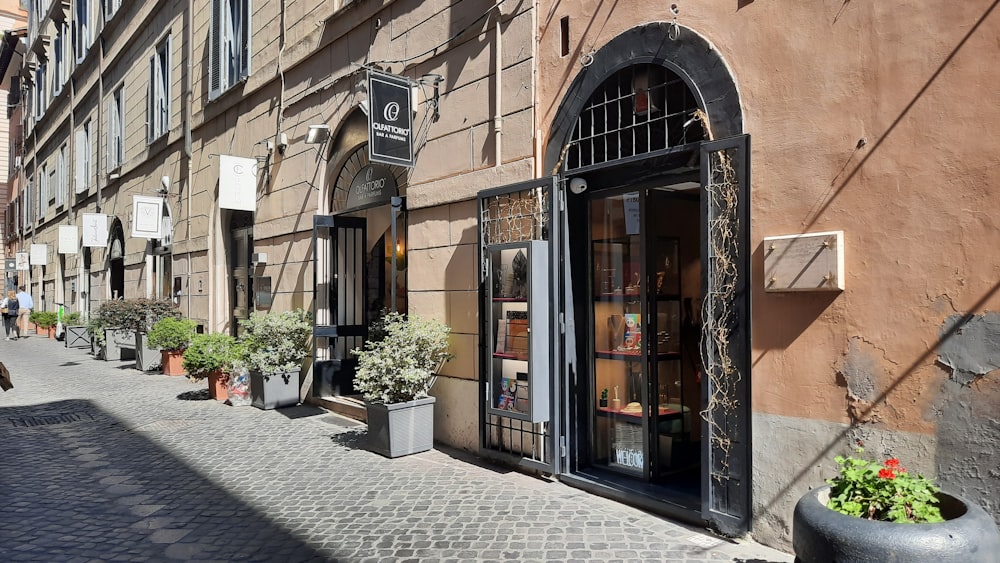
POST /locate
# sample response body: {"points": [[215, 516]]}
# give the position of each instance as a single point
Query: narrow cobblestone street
{"points": [[104, 463]]}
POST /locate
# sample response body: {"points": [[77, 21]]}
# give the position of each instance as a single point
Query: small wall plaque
{"points": [[805, 262]]}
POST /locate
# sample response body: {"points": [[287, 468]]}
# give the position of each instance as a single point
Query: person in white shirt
{"points": [[25, 305]]}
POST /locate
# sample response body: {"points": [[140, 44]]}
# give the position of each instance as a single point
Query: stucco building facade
{"points": [[654, 151]]}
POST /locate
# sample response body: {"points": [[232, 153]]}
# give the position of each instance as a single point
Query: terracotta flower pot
{"points": [[218, 385], [173, 362], [52, 332]]}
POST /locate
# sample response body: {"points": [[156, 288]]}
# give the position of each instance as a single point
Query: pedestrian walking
{"points": [[25, 305], [10, 308]]}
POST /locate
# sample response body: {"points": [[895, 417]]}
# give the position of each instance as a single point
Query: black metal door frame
{"points": [[726, 327], [347, 272]]}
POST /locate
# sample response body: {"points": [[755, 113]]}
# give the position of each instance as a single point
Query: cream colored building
{"points": [[618, 138]]}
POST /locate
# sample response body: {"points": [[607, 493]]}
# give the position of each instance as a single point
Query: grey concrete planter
{"points": [[119, 344], [401, 428], [820, 535], [77, 337], [147, 358], [275, 390]]}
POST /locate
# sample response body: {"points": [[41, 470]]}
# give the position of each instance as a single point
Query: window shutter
{"points": [[81, 145], [244, 37], [167, 66], [151, 100], [111, 133], [215, 41]]}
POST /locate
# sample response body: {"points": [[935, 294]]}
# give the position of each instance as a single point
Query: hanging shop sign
{"points": [[10, 264], [39, 254], [390, 119], [237, 183], [95, 230], [373, 185], [22, 261], [69, 239], [147, 213]]}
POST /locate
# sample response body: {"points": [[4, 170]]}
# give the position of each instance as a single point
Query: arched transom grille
{"points": [[640, 109]]}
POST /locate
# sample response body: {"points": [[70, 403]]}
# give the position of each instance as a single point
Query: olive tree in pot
{"points": [[882, 512], [172, 335], [272, 346], [396, 368], [210, 356]]}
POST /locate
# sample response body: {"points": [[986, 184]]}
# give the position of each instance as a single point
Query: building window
{"points": [[26, 216], [62, 178], [159, 91], [83, 27], [640, 109], [84, 172], [229, 38], [58, 61], [39, 100], [43, 191], [111, 8], [116, 128]]}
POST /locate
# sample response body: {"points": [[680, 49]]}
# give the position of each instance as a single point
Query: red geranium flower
{"points": [[886, 473], [892, 463]]}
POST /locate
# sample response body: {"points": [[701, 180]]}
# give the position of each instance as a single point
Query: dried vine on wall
{"points": [[719, 318]]}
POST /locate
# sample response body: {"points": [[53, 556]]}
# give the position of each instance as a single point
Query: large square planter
{"points": [[274, 391], [77, 337], [119, 344], [147, 358], [401, 428]]}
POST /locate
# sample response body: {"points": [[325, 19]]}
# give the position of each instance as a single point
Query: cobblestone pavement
{"points": [[101, 462]]}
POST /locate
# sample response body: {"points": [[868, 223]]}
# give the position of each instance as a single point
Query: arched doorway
{"points": [[649, 142]]}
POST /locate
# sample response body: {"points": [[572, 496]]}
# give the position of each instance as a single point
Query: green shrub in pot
{"points": [[399, 367], [209, 353], [170, 333], [275, 342]]}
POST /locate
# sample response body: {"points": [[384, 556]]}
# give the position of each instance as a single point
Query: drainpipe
{"points": [[498, 112], [188, 152]]}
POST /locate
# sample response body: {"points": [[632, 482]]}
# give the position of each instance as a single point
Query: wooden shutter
{"points": [[215, 50], [81, 145]]}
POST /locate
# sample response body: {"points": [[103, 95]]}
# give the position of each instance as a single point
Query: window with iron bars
{"points": [[640, 109]]}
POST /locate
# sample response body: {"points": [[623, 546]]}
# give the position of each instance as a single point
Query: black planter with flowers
{"points": [[873, 512]]}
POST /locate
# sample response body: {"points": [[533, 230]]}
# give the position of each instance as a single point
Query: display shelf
{"points": [[665, 413], [633, 355], [517, 314]]}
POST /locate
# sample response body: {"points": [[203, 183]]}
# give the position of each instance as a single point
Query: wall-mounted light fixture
{"points": [[165, 184], [318, 134], [435, 81]]}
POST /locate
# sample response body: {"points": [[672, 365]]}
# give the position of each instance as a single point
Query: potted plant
{"points": [[881, 512], [395, 372], [210, 356], [604, 398], [46, 321], [272, 346], [124, 319], [33, 319], [171, 336]]}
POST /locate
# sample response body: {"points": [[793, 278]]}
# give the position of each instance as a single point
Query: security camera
{"points": [[165, 184], [577, 185], [282, 143]]}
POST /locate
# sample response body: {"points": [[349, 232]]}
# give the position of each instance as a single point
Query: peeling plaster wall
{"points": [[970, 345], [968, 435], [794, 455]]}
